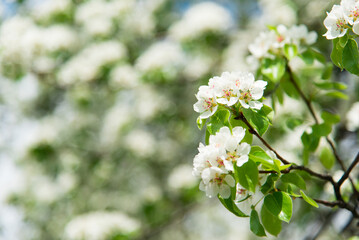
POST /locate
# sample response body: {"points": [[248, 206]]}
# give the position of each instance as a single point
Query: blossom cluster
{"points": [[214, 162], [341, 18], [228, 89], [272, 41]]}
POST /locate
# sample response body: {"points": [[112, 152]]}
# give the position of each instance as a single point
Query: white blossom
{"points": [[163, 55], [251, 91], [351, 10], [335, 23], [200, 19], [207, 104], [99, 225], [216, 181]]}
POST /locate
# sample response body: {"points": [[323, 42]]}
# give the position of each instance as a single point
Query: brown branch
{"points": [[347, 172], [292, 167], [311, 110]]}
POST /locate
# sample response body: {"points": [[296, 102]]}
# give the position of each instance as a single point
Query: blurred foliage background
{"points": [[98, 132]]}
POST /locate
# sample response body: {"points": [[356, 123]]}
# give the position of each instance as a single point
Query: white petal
{"points": [[238, 133], [356, 28], [242, 160], [244, 149], [255, 104], [230, 180], [225, 191]]}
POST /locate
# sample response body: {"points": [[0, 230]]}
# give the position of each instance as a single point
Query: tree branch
{"points": [[311, 110], [347, 172]]}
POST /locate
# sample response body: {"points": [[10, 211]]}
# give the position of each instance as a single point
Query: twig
{"points": [[311, 110], [347, 172], [292, 167]]}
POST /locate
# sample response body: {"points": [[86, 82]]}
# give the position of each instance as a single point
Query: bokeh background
{"points": [[97, 128]]}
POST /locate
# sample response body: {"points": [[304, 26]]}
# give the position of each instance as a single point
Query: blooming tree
{"points": [[235, 170], [95, 100]]}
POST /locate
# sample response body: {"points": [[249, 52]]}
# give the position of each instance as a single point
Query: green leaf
{"points": [[327, 73], [207, 137], [343, 41], [330, 118], [257, 154], [295, 179], [337, 53], [310, 141], [293, 123], [318, 56], [201, 123], [307, 57], [273, 68], [218, 120], [288, 88], [269, 184], [351, 57], [259, 122], [327, 158], [248, 175], [330, 85], [279, 204], [337, 94], [306, 153], [308, 199], [248, 137], [290, 51], [255, 225], [270, 222], [231, 206], [321, 130], [266, 111]]}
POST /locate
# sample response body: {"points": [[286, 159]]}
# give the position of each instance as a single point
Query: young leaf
{"points": [[321, 130], [274, 69], [247, 175], [269, 184], [337, 53], [231, 206], [307, 57], [351, 57], [327, 158], [310, 141], [308, 199], [255, 225], [330, 118], [294, 178], [270, 222], [290, 51], [259, 122], [337, 94], [279, 204], [201, 123], [218, 120]]}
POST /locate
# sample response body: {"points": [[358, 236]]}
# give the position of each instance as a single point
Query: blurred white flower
{"points": [[197, 67], [141, 143], [99, 225], [86, 65], [115, 118], [98, 17], [181, 177], [200, 19], [277, 12], [47, 9], [166, 56], [124, 76], [352, 117]]}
